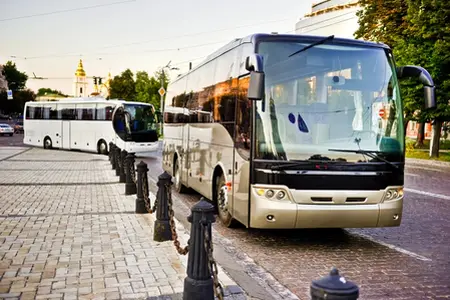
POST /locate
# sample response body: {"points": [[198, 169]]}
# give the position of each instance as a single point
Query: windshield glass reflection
{"points": [[328, 97]]}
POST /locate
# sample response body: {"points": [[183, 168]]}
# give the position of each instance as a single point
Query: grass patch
{"points": [[443, 156], [444, 144]]}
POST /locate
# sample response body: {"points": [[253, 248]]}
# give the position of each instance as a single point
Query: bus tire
{"points": [[102, 147], [48, 143], [179, 187], [221, 202]]}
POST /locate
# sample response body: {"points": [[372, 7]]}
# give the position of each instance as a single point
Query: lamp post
{"points": [[162, 91]]}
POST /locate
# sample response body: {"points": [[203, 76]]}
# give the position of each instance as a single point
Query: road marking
{"points": [[411, 174], [440, 196], [398, 249]]}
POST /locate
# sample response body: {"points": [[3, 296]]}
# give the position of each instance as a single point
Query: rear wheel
{"points": [[222, 202], [48, 143], [102, 148], [179, 187]]}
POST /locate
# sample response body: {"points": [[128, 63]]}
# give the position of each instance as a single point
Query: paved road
{"points": [[408, 262]]}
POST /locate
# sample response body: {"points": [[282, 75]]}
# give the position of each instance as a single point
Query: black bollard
{"points": [[334, 287], [117, 159], [141, 174], [113, 157], [130, 174], [122, 176], [111, 147], [162, 230], [199, 285]]}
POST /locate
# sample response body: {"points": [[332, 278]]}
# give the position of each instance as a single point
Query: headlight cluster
{"points": [[272, 194], [393, 194]]}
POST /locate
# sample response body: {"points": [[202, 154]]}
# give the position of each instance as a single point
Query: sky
{"points": [[48, 37]]}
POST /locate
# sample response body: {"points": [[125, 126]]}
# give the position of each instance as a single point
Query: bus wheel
{"points": [[47, 143], [179, 187], [222, 202], [102, 148]]}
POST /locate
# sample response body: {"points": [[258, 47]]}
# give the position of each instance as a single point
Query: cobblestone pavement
{"points": [[407, 262], [67, 231]]}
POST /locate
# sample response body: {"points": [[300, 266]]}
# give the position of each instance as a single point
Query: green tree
{"points": [[143, 87], [123, 86], [18, 103], [417, 31], [16, 80], [46, 91]]}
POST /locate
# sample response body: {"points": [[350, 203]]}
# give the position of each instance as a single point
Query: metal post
{"points": [[130, 185], [162, 231], [110, 151], [162, 104], [113, 157], [117, 156], [122, 176], [333, 287], [199, 285], [140, 202]]}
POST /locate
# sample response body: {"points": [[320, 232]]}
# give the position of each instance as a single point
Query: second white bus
{"points": [[90, 124]]}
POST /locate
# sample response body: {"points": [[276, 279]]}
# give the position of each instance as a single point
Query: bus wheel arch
{"points": [[178, 185], [220, 198], [48, 142], [102, 147]]}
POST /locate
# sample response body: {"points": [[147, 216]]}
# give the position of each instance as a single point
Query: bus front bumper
{"points": [[274, 214], [143, 147]]}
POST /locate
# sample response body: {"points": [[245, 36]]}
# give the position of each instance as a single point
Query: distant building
{"points": [[50, 97], [80, 84], [330, 17], [3, 82]]}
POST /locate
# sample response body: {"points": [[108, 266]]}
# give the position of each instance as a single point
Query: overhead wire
{"points": [[65, 10]]}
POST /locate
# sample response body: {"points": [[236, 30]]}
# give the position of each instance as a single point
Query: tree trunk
{"points": [[405, 125], [435, 138], [420, 135]]}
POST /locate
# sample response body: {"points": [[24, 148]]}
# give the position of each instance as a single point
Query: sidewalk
{"points": [[69, 232]]}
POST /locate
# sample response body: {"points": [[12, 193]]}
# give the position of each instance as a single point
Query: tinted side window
{"points": [[85, 111], [104, 111], [66, 111], [49, 112]]}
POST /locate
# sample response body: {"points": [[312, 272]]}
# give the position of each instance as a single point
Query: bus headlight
{"points": [[393, 194], [272, 194]]}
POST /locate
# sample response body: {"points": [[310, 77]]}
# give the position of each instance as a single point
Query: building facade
{"points": [[3, 82], [80, 83]]}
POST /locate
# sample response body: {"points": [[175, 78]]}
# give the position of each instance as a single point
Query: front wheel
{"points": [[102, 148], [47, 143], [221, 196], [179, 187]]}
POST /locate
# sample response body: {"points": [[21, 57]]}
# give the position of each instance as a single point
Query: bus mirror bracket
{"points": [[425, 78], [254, 62]]}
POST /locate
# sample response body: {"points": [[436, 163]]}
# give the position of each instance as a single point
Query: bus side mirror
{"points": [[254, 64], [425, 78]]}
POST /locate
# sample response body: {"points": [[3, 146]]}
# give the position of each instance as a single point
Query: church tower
{"points": [[80, 83]]}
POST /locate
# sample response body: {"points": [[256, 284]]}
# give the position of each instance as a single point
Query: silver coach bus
{"points": [[292, 131]]}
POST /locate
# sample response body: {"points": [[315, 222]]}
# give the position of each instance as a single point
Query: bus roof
{"points": [[256, 37], [87, 100]]}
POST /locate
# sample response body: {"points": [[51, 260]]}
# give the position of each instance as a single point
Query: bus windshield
{"points": [[328, 98], [141, 117], [136, 122]]}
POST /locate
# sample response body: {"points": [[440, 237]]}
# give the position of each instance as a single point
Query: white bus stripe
{"points": [[439, 196], [398, 249]]}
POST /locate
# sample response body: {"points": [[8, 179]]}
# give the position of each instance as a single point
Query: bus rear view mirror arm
{"points": [[254, 62], [256, 86], [425, 78]]}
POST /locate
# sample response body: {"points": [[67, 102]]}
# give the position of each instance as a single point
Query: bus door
{"points": [[65, 134]]}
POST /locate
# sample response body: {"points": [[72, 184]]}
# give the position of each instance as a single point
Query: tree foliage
{"points": [[418, 32], [18, 103], [123, 86], [46, 91], [16, 80], [143, 89]]}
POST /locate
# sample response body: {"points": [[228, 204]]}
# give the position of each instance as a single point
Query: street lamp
{"points": [[163, 76]]}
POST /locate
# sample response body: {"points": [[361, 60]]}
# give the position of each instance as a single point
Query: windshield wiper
{"points": [[288, 165], [370, 153], [313, 44]]}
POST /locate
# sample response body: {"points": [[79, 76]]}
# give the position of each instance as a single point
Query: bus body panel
{"points": [[202, 147], [50, 119]]}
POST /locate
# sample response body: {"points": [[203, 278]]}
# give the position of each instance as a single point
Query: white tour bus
{"points": [[89, 124]]}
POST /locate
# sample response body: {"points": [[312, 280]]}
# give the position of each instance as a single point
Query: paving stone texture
{"points": [[67, 231]]}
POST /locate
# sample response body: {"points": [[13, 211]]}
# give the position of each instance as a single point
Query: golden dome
{"points": [[80, 71]]}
